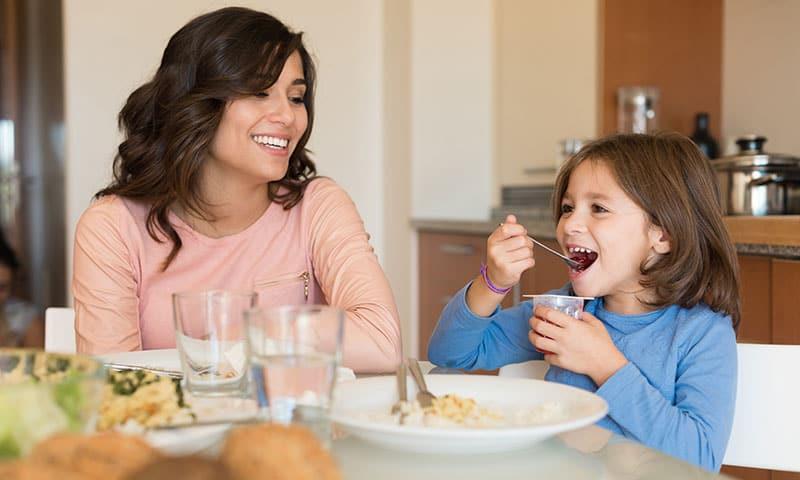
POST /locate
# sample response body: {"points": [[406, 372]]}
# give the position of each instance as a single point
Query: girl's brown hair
{"points": [[169, 122], [671, 180]]}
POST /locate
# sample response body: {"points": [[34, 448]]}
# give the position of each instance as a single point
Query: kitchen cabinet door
{"points": [[785, 292], [755, 292], [446, 263]]}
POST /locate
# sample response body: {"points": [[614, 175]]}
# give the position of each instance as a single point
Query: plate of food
{"points": [[472, 413], [151, 402]]}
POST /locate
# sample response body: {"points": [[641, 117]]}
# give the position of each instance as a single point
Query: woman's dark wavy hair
{"points": [[169, 122], [673, 182]]}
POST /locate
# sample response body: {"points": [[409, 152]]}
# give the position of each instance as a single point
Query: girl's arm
{"points": [[352, 279], [104, 283], [697, 427], [463, 339]]}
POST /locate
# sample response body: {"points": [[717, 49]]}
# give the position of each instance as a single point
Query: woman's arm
{"points": [[463, 339], [696, 428], [352, 279], [104, 283]]}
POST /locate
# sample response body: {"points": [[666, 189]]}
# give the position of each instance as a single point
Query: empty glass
{"points": [[210, 335], [295, 351]]}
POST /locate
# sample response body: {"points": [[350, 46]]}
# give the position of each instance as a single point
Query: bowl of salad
{"points": [[42, 393]]}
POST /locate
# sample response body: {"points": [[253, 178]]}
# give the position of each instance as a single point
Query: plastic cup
{"points": [[570, 305]]}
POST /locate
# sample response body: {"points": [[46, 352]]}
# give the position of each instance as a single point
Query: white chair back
{"points": [[767, 418], [530, 369], [59, 330]]}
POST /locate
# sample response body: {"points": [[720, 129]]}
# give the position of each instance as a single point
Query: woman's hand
{"points": [[582, 346], [509, 252]]}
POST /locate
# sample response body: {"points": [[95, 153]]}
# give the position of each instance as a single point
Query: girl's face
{"points": [[257, 134], [602, 227]]}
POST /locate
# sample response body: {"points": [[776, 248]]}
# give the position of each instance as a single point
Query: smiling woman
{"points": [[214, 189]]}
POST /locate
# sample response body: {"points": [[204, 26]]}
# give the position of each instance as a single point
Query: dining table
{"points": [[590, 452]]}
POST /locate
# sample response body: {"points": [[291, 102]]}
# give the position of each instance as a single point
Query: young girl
{"points": [[641, 214]]}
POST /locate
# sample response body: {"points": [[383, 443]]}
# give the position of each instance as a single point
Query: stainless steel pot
{"points": [[757, 183]]}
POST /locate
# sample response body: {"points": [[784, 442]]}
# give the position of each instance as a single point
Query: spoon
{"points": [[424, 396], [401, 393], [572, 263]]}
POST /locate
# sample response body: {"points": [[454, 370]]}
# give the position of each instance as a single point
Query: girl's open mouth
{"points": [[583, 256]]}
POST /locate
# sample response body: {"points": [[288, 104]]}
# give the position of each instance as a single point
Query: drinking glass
{"points": [[211, 340], [294, 353]]}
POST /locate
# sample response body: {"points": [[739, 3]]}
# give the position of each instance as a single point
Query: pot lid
{"points": [[751, 154]]}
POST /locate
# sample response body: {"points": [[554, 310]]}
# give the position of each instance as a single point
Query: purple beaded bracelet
{"points": [[492, 286]]}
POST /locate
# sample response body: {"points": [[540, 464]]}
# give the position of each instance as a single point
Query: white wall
{"points": [[452, 115], [547, 66], [112, 47], [761, 68]]}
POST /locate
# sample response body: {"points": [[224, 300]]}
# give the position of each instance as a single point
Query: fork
{"points": [[402, 393], [572, 263], [424, 396]]}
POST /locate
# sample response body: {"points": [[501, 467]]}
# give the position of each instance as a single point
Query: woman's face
{"points": [[257, 134]]}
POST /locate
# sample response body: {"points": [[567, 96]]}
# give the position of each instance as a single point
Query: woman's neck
{"points": [[231, 208]]}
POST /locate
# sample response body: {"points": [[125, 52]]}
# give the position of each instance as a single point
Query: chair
{"points": [[530, 369], [59, 330], [767, 418]]}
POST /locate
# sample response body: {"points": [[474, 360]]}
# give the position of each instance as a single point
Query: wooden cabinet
{"points": [[754, 290], [785, 290], [769, 292], [446, 263]]}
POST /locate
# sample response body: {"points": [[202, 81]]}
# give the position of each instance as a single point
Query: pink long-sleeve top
{"points": [[317, 253]]}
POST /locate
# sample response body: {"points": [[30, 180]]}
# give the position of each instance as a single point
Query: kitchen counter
{"points": [[774, 236]]}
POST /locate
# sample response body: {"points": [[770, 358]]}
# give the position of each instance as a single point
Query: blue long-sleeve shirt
{"points": [[675, 394]]}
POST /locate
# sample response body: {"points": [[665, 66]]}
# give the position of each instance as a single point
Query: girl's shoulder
{"points": [[702, 324]]}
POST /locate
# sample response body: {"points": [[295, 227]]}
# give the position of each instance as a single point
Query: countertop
{"points": [[774, 236]]}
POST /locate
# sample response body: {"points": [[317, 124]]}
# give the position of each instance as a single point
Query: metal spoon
{"points": [[572, 263], [401, 393], [424, 396]]}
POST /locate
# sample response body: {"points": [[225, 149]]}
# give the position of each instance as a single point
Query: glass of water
{"points": [[294, 353], [211, 339]]}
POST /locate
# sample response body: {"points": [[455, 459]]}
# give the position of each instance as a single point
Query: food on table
{"points": [[107, 455], [194, 467], [43, 393], [457, 411], [278, 452], [136, 399]]}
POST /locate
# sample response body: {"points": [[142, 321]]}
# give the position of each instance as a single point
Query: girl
{"points": [[214, 189], [641, 214]]}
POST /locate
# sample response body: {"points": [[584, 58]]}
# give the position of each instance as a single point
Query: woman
{"points": [[214, 189]]}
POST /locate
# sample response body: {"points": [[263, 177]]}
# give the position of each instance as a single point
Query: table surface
{"points": [[587, 453]]}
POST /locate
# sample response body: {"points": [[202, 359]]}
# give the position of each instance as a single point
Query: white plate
{"points": [[194, 440], [186, 441], [355, 401]]}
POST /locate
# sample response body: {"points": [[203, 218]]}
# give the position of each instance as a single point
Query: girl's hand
{"points": [[509, 252], [582, 346]]}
